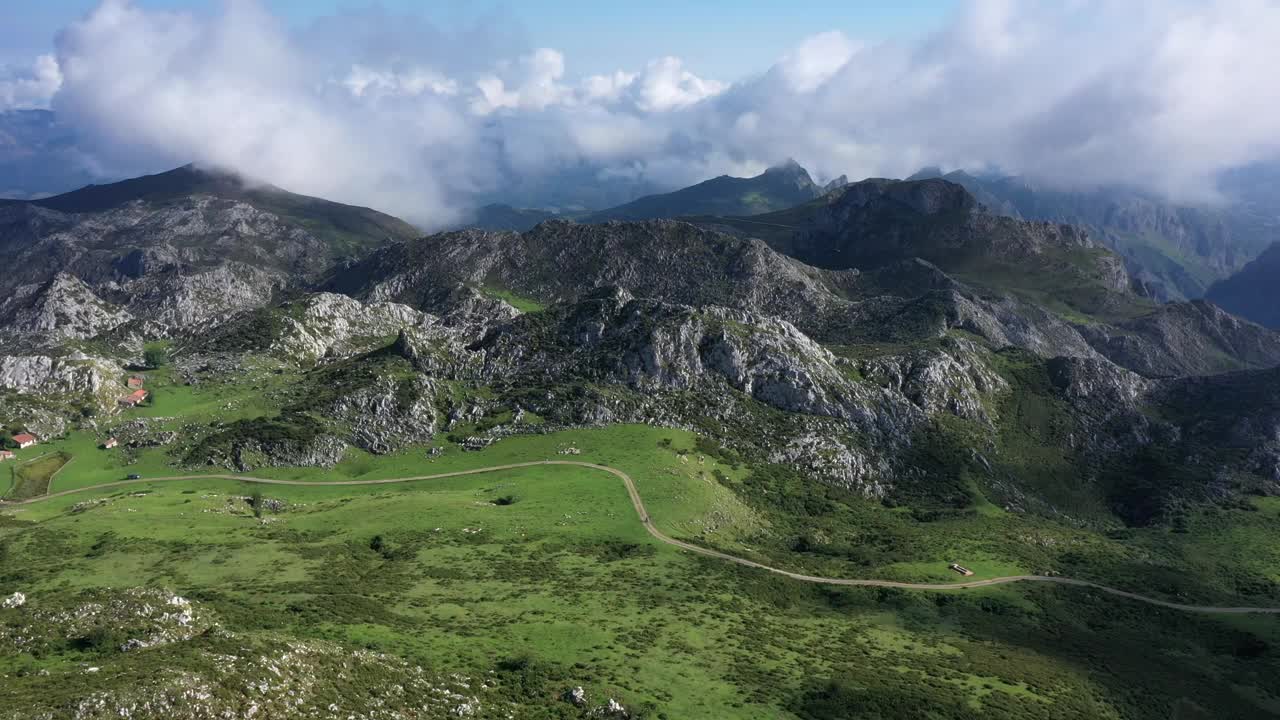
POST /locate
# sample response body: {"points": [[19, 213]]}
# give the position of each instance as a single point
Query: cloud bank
{"points": [[24, 88], [392, 112]]}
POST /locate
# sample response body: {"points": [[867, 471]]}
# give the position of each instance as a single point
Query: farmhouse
{"points": [[6, 455], [961, 569], [25, 440], [110, 443], [134, 398], [135, 381]]}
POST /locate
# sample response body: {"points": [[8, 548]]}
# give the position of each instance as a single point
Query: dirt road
{"points": [[638, 503]]}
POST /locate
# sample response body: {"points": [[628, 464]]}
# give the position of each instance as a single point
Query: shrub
{"points": [[155, 357]]}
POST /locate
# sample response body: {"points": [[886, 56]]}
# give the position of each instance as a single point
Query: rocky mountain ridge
{"points": [[1177, 250]]}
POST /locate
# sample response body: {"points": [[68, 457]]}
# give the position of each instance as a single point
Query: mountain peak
{"points": [[789, 168], [927, 173], [835, 184], [788, 165], [932, 196], [791, 172], [186, 180]]}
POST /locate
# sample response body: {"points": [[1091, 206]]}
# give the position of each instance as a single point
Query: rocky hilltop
{"points": [[175, 249], [874, 223], [562, 260]]}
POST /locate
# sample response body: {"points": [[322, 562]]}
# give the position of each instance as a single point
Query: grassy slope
{"points": [[519, 302], [566, 574], [778, 517]]}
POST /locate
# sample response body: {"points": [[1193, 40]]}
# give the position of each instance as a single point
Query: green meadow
{"points": [[548, 570], [544, 578]]}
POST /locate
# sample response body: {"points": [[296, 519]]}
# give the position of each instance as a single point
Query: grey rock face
{"points": [[1194, 338], [954, 380], [76, 374], [837, 463], [334, 326], [651, 347], [60, 309], [323, 451], [389, 414]]}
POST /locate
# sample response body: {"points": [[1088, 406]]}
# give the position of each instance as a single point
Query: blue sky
{"points": [[721, 40]]}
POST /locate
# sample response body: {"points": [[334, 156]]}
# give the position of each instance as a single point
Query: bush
{"points": [[155, 357], [101, 639]]}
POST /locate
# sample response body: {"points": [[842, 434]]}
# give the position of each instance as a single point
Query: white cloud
{"points": [[666, 85], [368, 82], [152, 88], [815, 60], [391, 112], [531, 83], [608, 88], [30, 87]]}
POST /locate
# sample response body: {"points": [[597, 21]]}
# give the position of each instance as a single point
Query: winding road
{"points": [[638, 503]]}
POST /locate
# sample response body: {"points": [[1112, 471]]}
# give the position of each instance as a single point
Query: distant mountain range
{"points": [[1178, 251], [777, 188]]}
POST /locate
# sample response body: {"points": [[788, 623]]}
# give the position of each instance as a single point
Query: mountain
{"points": [[875, 223], [1178, 251], [172, 249], [345, 229], [778, 187], [1253, 293]]}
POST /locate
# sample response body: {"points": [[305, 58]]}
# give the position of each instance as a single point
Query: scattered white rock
{"points": [[15, 600]]}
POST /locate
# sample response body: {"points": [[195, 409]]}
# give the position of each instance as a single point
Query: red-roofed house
{"points": [[25, 440], [134, 398], [135, 381], [6, 455]]}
